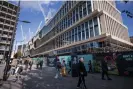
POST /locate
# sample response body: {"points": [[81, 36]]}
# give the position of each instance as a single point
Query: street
{"points": [[44, 79]]}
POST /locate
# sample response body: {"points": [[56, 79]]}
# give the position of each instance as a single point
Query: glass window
{"points": [[91, 32], [87, 30], [74, 16], [84, 8], [83, 32], [76, 34], [77, 15], [73, 35], [96, 30], [80, 11], [69, 4], [89, 7], [79, 33], [95, 21], [90, 23], [70, 36]]}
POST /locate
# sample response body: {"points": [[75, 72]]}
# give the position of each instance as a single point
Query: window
{"points": [[95, 21], [73, 35], [79, 33], [87, 30], [89, 7], [90, 23], [69, 4], [84, 8], [76, 34], [70, 36], [91, 32], [80, 11], [74, 16], [83, 32], [77, 15], [96, 30]]}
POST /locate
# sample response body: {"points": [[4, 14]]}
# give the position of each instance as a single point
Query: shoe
{"points": [[109, 79]]}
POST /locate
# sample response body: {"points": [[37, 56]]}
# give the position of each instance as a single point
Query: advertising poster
{"points": [[74, 64], [125, 63], [111, 62], [86, 58], [51, 61], [67, 58]]}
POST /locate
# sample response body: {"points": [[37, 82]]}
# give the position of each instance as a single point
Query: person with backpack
{"points": [[82, 73], [58, 67]]}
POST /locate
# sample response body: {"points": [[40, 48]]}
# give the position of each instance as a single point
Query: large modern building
{"points": [[8, 21], [83, 26]]}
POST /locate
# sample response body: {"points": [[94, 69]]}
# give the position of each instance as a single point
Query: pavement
{"points": [[44, 79]]}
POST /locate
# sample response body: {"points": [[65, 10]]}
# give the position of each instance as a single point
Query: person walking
{"points": [[90, 66], [69, 67], [58, 67], [105, 69], [82, 73], [41, 63], [26, 62], [30, 63], [63, 68]]}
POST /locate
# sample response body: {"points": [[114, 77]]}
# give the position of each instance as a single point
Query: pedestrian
{"points": [[104, 69], [82, 73], [30, 62], [26, 62], [90, 66], [69, 67], [63, 72], [41, 63], [58, 67]]}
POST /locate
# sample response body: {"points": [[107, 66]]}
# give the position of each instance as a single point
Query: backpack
{"points": [[59, 64]]}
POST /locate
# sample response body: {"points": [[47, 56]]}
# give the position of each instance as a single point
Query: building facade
{"points": [[84, 26], [8, 21]]}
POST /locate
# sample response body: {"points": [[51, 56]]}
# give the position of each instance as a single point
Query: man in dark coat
{"points": [[104, 69], [82, 73]]}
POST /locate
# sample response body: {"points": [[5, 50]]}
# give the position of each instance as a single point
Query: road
{"points": [[44, 79]]}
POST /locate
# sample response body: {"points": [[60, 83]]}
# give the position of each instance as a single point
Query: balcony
{"points": [[3, 42], [2, 48], [4, 36], [1, 56]]}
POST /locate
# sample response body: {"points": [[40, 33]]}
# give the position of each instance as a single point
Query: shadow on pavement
{"points": [[44, 79]]}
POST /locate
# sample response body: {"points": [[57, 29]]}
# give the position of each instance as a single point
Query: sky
{"points": [[38, 11]]}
